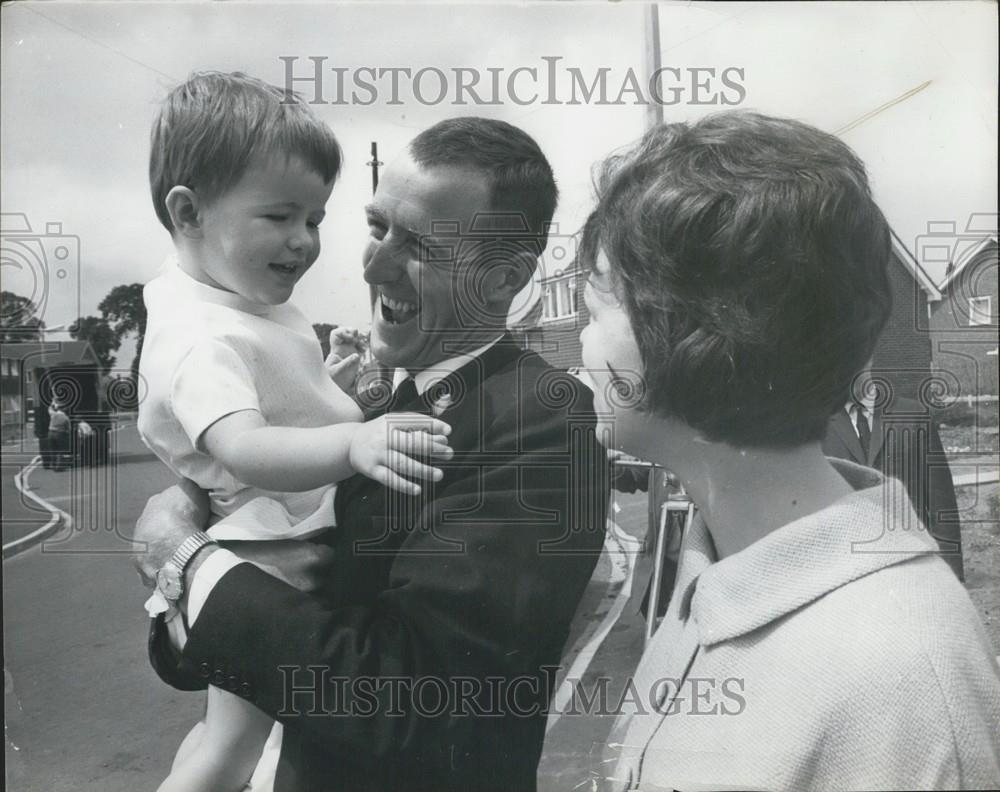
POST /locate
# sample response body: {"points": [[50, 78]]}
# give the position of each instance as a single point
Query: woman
{"points": [[738, 282]]}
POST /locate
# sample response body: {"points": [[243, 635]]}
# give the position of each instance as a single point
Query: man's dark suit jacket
{"points": [[470, 587], [905, 444]]}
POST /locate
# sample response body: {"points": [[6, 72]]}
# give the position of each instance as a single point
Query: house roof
{"points": [[966, 257], [913, 267], [46, 354]]}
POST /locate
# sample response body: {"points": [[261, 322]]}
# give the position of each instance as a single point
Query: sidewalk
{"points": [[970, 470], [575, 741]]}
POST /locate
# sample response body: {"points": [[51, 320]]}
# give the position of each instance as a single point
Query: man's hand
{"points": [[168, 519], [384, 449]]}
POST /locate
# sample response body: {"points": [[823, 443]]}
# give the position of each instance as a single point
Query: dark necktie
{"points": [[406, 399], [864, 430]]}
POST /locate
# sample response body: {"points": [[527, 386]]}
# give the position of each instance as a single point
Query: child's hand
{"points": [[344, 372], [384, 449], [344, 342], [344, 361]]}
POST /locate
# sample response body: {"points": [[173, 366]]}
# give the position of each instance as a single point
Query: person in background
{"points": [[41, 432], [899, 437], [60, 436]]}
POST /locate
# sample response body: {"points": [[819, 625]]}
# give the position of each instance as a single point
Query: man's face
{"points": [[416, 322], [262, 235]]}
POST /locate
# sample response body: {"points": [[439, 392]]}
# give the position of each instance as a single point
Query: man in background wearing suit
{"points": [[898, 436], [427, 662]]}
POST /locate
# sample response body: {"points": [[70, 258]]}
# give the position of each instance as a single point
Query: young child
{"points": [[238, 399]]}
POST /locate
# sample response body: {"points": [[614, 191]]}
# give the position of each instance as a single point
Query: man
{"points": [[900, 438], [41, 431], [426, 661]]}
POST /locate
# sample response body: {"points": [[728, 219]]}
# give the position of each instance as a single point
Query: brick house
{"points": [[552, 328], [964, 323], [903, 354]]}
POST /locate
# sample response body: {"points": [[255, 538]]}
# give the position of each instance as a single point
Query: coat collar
{"points": [[840, 424], [795, 564], [432, 375], [376, 389], [878, 437]]}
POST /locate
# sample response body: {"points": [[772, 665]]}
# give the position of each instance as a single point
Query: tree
{"points": [[125, 312], [18, 319], [98, 333]]}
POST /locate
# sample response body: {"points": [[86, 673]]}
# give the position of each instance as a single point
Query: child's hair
{"points": [[211, 127]]}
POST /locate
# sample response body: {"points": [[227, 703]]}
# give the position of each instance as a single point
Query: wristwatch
{"points": [[170, 577]]}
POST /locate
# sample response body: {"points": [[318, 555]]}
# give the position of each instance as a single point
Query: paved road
{"points": [[20, 516], [84, 710]]}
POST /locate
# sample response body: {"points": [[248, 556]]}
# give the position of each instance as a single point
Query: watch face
{"points": [[169, 582]]}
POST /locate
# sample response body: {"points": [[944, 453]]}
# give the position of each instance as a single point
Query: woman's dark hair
{"points": [[752, 261]]}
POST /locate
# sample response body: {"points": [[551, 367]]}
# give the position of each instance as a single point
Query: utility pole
{"points": [[654, 110], [373, 163]]}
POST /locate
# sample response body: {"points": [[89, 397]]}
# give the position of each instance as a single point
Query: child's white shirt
{"points": [[208, 353]]}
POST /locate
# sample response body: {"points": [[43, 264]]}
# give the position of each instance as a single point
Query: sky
{"points": [[81, 84]]}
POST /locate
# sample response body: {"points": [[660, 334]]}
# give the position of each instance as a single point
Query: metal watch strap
{"points": [[183, 555]]}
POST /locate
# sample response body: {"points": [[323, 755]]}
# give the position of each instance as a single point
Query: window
{"points": [[549, 308], [559, 297], [980, 311]]}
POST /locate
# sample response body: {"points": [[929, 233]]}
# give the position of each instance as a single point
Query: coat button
{"points": [[218, 678], [205, 670], [232, 683], [246, 690]]}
